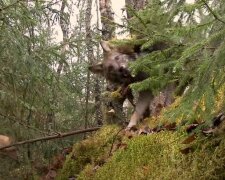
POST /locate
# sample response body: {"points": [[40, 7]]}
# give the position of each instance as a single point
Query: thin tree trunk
{"points": [[97, 87], [63, 22], [31, 46], [89, 56]]}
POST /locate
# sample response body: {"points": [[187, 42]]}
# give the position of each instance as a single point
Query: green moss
{"points": [[143, 156], [127, 42], [93, 150], [158, 156], [155, 156], [116, 94]]}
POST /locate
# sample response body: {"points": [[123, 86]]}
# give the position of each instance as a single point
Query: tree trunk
{"points": [[114, 108], [90, 55], [135, 5], [107, 19], [97, 87], [63, 22]]}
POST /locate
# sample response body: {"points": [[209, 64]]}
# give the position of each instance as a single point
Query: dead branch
{"points": [[114, 139], [212, 12], [57, 136]]}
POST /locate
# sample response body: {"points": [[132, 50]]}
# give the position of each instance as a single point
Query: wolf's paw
{"points": [[131, 127]]}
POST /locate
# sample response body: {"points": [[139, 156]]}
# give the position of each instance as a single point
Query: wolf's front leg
{"points": [[143, 102]]}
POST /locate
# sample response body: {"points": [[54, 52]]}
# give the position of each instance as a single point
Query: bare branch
{"points": [[212, 12], [57, 136], [114, 139]]}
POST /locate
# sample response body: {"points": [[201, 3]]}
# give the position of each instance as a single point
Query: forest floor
{"points": [[168, 151]]}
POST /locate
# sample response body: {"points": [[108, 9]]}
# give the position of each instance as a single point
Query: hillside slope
{"points": [[157, 150]]}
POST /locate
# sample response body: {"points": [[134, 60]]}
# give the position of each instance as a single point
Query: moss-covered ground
{"points": [[112, 154], [153, 156]]}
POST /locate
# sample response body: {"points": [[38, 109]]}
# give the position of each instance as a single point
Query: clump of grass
{"points": [[93, 150]]}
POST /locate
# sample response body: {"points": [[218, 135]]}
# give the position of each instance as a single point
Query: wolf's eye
{"points": [[117, 58], [110, 68], [121, 69]]}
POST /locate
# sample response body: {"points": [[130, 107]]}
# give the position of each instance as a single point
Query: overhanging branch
{"points": [[10, 5]]}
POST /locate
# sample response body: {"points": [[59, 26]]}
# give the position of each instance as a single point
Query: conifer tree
{"points": [[194, 38]]}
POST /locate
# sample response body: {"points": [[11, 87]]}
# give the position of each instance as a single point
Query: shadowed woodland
{"points": [[52, 103]]}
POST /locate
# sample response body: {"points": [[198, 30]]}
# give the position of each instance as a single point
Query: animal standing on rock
{"points": [[114, 68]]}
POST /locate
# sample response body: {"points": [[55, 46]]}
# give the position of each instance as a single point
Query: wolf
{"points": [[114, 68]]}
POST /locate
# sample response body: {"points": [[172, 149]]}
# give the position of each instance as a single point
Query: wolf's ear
{"points": [[96, 69], [105, 46]]}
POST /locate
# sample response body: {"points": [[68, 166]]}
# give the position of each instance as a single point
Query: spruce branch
{"points": [[10, 5], [23, 123], [212, 12], [137, 16]]}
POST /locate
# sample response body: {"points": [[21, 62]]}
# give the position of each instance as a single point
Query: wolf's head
{"points": [[114, 66]]}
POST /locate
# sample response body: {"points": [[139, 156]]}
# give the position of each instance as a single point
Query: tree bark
{"points": [[63, 21], [97, 87], [135, 5], [107, 19], [90, 55]]}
